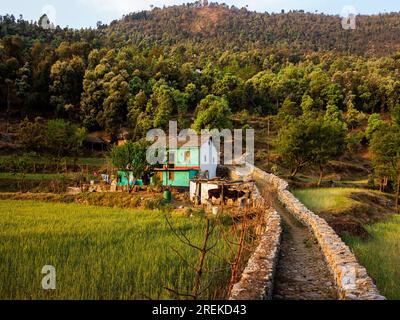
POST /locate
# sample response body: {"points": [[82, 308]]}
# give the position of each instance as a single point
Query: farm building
{"points": [[189, 159]]}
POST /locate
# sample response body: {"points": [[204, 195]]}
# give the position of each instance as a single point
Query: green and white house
{"points": [[187, 160]]}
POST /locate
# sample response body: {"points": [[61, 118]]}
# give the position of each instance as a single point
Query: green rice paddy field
{"points": [[100, 253]]}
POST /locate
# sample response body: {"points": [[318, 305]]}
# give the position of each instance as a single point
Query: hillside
{"points": [[239, 29]]}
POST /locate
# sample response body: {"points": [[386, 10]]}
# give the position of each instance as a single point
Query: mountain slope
{"points": [[219, 26]]}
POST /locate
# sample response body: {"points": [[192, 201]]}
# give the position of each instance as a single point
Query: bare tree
{"points": [[199, 268]]}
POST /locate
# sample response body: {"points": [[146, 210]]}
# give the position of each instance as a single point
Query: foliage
{"points": [[312, 141], [353, 117], [374, 123], [131, 156], [213, 113], [293, 145], [155, 66], [385, 148], [354, 141], [32, 134], [57, 137]]}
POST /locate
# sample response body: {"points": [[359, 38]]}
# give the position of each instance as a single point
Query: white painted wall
{"points": [[204, 191], [192, 190], [209, 158]]}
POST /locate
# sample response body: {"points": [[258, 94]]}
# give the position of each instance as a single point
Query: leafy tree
{"points": [[136, 106], [307, 104], [311, 141], [385, 149], [130, 157], [230, 87], [374, 123], [213, 113], [353, 117], [161, 105], [115, 105], [181, 100], [63, 138], [293, 145], [327, 142], [32, 135], [333, 114], [66, 85], [288, 112], [395, 114], [23, 86]]}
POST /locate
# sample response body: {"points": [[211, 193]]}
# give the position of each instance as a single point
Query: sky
{"points": [[86, 13]]}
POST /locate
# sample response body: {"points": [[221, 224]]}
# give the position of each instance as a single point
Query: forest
{"points": [[292, 66]]}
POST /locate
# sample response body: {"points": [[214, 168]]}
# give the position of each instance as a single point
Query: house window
{"points": [[171, 175], [187, 156]]}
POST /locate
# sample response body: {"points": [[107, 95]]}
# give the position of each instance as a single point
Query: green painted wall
{"points": [[123, 181], [181, 178], [182, 161]]}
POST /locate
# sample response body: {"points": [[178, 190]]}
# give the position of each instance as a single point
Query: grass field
{"points": [[381, 255], [327, 199], [90, 161], [38, 176], [99, 253]]}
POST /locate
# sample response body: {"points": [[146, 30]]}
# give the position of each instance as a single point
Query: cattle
{"points": [[232, 194]]}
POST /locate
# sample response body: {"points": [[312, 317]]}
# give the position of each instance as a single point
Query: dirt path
{"points": [[302, 273]]}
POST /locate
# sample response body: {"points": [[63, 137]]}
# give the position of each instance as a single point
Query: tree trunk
{"points": [[294, 172], [321, 175]]}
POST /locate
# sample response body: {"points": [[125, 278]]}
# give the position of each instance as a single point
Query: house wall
{"points": [[180, 178], [205, 187], [125, 177], [182, 161], [209, 159]]}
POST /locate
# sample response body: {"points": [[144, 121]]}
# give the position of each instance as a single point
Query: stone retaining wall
{"points": [[257, 279], [351, 278]]}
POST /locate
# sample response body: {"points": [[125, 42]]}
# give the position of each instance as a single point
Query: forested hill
{"points": [[197, 65], [239, 29]]}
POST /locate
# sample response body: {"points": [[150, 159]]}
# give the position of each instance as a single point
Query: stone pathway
{"points": [[302, 273]]}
